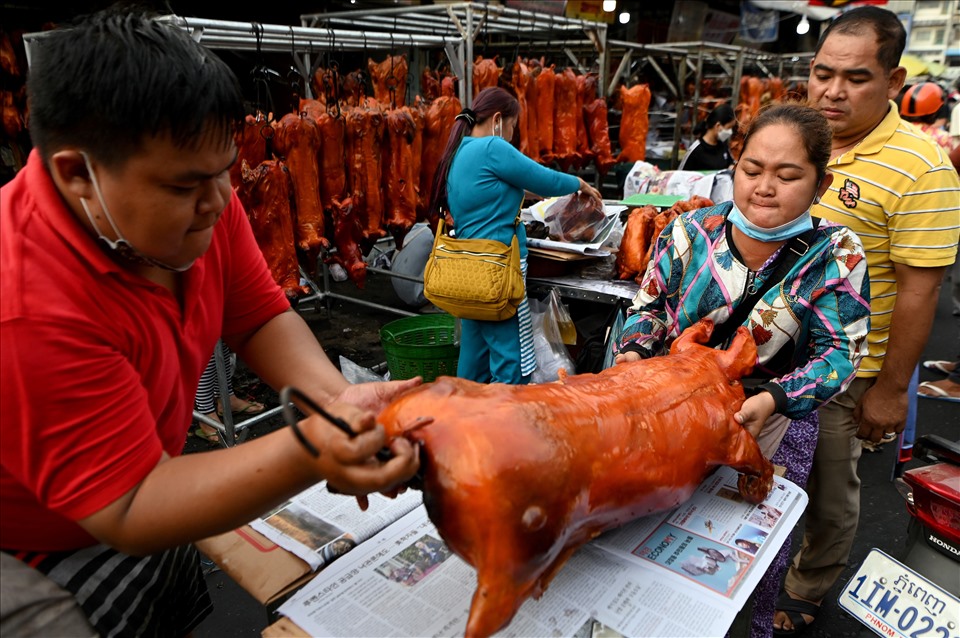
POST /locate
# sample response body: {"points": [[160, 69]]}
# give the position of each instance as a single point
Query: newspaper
{"points": [[686, 572], [319, 526]]}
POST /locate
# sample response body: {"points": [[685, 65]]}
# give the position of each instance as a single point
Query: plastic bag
{"points": [[551, 353], [575, 218], [565, 326], [355, 373]]}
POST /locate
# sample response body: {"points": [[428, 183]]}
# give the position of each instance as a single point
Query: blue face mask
{"points": [[791, 229]]}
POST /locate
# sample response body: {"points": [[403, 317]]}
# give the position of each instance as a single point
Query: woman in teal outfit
{"points": [[480, 183]]}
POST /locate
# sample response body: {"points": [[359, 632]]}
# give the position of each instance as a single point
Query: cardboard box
{"points": [[283, 628], [265, 570]]}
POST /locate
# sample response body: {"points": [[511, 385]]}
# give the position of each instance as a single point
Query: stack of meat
{"points": [[362, 164], [562, 119], [640, 234], [357, 168]]}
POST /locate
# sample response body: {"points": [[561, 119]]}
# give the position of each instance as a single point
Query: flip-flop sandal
{"points": [[251, 408], [936, 392], [793, 608], [943, 367], [211, 437]]}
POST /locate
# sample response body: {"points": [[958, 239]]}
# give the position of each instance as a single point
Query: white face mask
{"points": [[121, 246], [725, 134]]}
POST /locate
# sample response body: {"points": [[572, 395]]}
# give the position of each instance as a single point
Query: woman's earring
{"points": [[498, 128]]}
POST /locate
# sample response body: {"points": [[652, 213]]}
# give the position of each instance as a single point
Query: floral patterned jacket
{"points": [[810, 329]]}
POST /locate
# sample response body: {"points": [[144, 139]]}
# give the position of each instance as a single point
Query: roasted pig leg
{"points": [[516, 478]]}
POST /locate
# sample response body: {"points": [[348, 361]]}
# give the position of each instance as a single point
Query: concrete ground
{"points": [[883, 521]]}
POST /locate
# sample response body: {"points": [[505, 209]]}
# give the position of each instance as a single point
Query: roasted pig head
{"points": [[516, 478]]}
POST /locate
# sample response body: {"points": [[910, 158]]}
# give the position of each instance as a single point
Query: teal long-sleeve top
{"points": [[485, 188]]}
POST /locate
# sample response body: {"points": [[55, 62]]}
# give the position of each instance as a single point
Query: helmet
{"points": [[921, 99]]}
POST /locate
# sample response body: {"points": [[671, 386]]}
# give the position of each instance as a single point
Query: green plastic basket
{"points": [[421, 345]]}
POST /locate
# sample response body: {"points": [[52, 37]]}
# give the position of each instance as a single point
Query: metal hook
{"points": [[258, 35], [516, 52]]}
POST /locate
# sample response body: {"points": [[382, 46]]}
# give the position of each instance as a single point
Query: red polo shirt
{"points": [[99, 367]]}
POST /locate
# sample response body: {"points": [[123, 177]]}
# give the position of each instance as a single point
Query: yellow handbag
{"points": [[474, 278]]}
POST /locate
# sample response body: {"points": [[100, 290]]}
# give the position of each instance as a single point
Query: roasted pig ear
{"points": [[517, 478]]}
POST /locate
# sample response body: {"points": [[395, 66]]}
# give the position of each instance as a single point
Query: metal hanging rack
{"points": [[459, 24]]}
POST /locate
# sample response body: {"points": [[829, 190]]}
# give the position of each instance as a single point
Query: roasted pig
{"points": [[517, 477]]}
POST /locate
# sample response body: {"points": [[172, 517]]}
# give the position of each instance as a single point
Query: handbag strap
{"points": [[516, 222], [792, 251]]}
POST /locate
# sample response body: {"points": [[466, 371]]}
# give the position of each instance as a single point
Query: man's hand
{"points": [[880, 411], [624, 357], [350, 464], [375, 396], [755, 411]]}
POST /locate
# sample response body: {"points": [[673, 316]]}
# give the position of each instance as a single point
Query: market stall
{"points": [[696, 76]]}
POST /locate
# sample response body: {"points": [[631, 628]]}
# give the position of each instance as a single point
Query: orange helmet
{"points": [[921, 99]]}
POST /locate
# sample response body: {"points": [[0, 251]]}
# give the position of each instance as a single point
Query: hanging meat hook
{"points": [[259, 74], [294, 79], [332, 78], [391, 79], [516, 52]]}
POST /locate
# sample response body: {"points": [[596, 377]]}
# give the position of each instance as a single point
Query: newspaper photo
{"points": [[318, 526], [684, 572]]}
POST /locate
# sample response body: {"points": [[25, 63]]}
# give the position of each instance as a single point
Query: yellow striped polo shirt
{"points": [[899, 192]]}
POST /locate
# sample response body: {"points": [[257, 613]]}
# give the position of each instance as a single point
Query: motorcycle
{"points": [[918, 594]]}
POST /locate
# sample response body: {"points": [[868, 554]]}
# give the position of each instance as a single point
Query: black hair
{"points": [[118, 77], [722, 114], [488, 102], [810, 124], [886, 26]]}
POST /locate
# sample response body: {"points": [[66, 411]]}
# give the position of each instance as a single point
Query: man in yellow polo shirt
{"points": [[898, 191]]}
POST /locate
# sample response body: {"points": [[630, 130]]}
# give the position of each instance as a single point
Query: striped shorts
{"points": [[162, 595]]}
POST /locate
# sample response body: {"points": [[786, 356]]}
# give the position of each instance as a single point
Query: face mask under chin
{"points": [[791, 229], [121, 246]]}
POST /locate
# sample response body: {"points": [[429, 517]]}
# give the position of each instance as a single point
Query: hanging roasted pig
{"points": [[486, 73], [586, 93], [517, 478], [264, 191], [389, 80], [520, 79], [251, 139], [429, 84], [297, 143], [565, 116], [418, 113], [399, 181], [438, 120], [546, 83], [598, 128], [364, 128], [533, 118], [634, 123]]}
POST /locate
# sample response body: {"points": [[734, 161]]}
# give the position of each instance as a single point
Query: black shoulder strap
{"points": [[794, 250]]}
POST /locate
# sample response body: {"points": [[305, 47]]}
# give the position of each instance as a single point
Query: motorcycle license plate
{"points": [[897, 602]]}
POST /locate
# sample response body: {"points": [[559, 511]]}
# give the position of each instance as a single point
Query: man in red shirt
{"points": [[125, 256]]}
